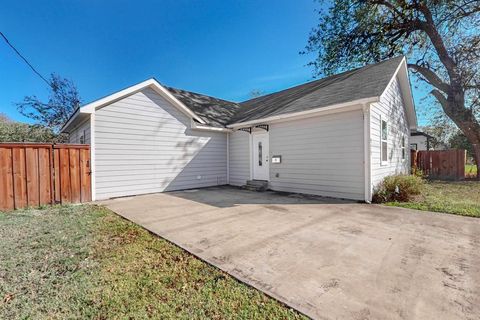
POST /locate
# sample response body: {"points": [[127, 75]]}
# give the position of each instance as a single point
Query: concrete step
{"points": [[256, 185]]}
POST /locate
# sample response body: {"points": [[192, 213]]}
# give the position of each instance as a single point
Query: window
{"points": [[413, 146], [403, 148], [260, 153], [384, 143]]}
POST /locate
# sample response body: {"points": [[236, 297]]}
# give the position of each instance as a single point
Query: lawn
{"points": [[462, 198], [86, 262], [470, 170]]}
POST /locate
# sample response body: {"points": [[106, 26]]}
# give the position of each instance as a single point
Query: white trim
{"points": [[92, 157], [394, 76], [367, 153], [196, 126], [253, 161], [228, 158], [250, 146], [74, 116], [308, 113], [406, 88], [151, 83]]}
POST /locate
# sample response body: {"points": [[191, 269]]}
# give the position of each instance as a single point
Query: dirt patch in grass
{"points": [[462, 198], [86, 262]]}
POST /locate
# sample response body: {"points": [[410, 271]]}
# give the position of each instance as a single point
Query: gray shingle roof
{"points": [[366, 82], [215, 112]]}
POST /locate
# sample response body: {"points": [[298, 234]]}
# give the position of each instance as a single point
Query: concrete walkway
{"points": [[327, 258]]}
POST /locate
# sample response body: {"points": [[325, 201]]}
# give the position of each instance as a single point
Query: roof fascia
{"points": [[197, 126], [307, 113], [406, 88], [152, 83], [70, 121]]}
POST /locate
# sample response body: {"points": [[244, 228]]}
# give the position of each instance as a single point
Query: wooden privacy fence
{"points": [[37, 174], [441, 164]]}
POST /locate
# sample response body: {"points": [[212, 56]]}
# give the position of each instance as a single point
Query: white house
{"points": [[420, 141], [338, 136]]}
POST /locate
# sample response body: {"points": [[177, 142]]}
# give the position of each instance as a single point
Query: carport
{"points": [[328, 258]]}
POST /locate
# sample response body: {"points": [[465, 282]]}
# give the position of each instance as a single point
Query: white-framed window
{"points": [[384, 141], [404, 155]]}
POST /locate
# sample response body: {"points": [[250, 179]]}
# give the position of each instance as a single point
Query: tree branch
{"points": [[440, 98], [431, 77], [430, 29]]}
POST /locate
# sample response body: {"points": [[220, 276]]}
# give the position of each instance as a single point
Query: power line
{"points": [[24, 59]]}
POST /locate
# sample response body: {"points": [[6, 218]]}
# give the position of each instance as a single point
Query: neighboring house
{"points": [[336, 137], [420, 141]]}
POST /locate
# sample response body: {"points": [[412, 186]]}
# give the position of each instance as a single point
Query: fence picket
{"points": [[37, 174], [440, 164]]}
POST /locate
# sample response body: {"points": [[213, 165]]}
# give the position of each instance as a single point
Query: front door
{"points": [[260, 155]]}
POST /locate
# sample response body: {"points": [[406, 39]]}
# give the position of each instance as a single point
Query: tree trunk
{"points": [[476, 151], [454, 107], [471, 129]]}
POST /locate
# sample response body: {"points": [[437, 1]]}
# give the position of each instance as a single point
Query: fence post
{"points": [[413, 160]]}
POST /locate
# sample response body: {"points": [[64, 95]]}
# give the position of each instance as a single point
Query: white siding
{"points": [[321, 155], [77, 132], [239, 148], [392, 109], [143, 144]]}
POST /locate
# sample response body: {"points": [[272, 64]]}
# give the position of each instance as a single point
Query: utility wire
{"points": [[24, 59]]}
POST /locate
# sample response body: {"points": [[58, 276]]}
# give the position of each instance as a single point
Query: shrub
{"points": [[398, 188]]}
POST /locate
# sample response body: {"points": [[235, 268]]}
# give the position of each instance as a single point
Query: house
{"points": [[337, 136], [420, 141]]}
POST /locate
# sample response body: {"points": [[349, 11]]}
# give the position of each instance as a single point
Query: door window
{"points": [[260, 153]]}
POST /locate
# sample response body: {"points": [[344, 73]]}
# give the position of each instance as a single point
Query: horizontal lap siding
{"points": [[320, 155], [76, 133], [143, 144], [390, 108], [239, 148]]}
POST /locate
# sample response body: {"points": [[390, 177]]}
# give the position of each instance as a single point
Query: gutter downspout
{"points": [[228, 157], [93, 171], [367, 165]]}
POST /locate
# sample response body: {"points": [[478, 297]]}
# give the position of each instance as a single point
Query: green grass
{"points": [[462, 198], [86, 262], [470, 170]]}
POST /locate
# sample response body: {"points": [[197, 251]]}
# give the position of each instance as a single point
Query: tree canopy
{"points": [[62, 102], [440, 38], [12, 131]]}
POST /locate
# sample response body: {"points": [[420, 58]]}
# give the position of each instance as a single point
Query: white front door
{"points": [[260, 155]]}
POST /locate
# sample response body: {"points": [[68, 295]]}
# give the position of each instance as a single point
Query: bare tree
{"points": [[64, 99]]}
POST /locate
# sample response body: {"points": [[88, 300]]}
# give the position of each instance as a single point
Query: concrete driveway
{"points": [[327, 258]]}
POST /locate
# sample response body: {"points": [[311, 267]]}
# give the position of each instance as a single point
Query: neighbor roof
{"points": [[420, 133]]}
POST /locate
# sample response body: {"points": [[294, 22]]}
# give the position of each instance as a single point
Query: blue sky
{"points": [[220, 48]]}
